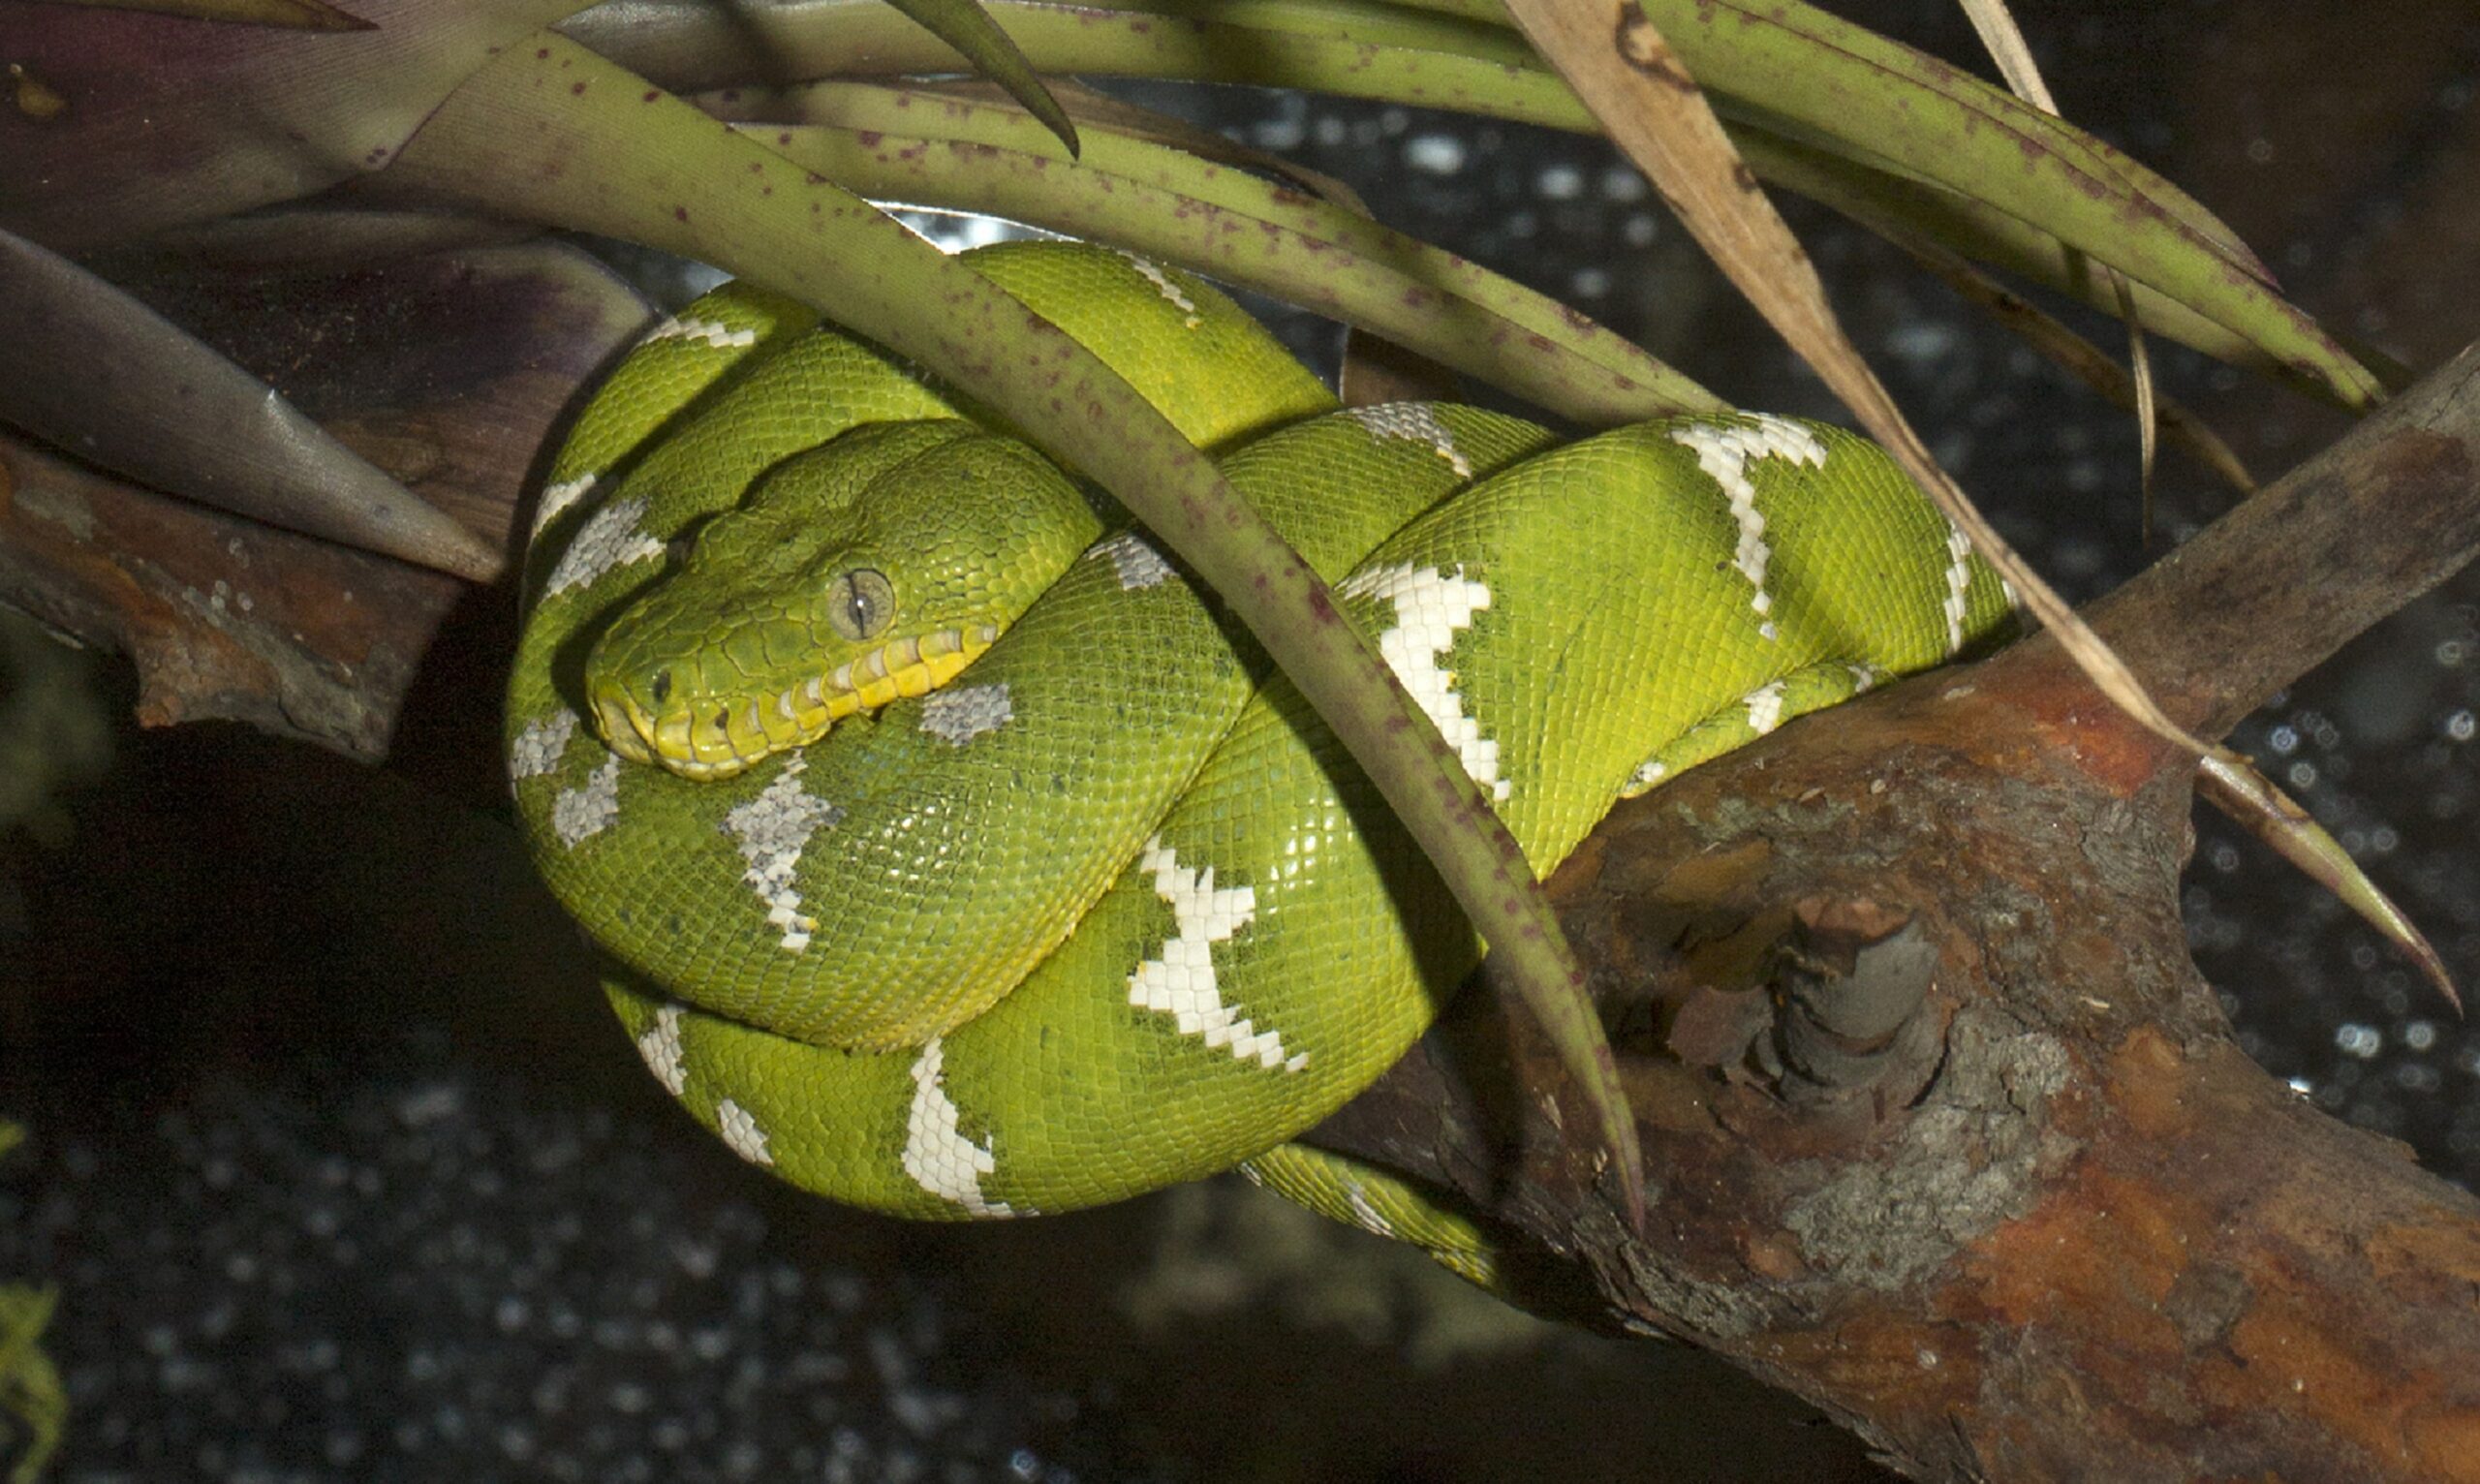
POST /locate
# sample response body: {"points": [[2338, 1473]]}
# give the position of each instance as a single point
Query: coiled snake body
{"points": [[951, 927]]}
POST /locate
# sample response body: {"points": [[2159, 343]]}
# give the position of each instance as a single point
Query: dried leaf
{"points": [[107, 378], [2250, 799]]}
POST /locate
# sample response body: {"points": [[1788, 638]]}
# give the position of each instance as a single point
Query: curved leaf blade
{"points": [[99, 374], [1784, 69], [966, 26], [929, 147]]}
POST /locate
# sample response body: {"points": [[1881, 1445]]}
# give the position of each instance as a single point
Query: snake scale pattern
{"points": [[953, 854]]}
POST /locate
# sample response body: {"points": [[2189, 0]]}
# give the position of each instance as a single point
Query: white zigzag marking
{"points": [[1135, 559], [1764, 707], [721, 336], [937, 1154], [1369, 1216], [959, 714], [1413, 422], [1163, 286], [661, 1047], [740, 1130], [557, 498], [1959, 579], [611, 540], [1723, 452], [1180, 982], [773, 830], [588, 810], [539, 747], [1430, 610]]}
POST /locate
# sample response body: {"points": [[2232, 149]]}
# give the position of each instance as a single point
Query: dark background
{"points": [[342, 1173]]}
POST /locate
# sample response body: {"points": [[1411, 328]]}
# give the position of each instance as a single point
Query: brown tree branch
{"points": [[2050, 1223]]}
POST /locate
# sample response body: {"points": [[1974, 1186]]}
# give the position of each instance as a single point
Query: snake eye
{"points": [[861, 603], [661, 688]]}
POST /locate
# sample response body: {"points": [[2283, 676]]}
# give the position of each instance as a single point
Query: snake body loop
{"points": [[955, 856]]}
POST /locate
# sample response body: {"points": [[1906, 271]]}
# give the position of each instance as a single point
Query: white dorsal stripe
{"points": [[1134, 559], [1163, 286], [539, 747], [714, 332], [937, 1154], [1723, 452], [1413, 422], [1431, 608], [1371, 1218], [661, 1047], [1764, 707], [557, 498], [1959, 581], [773, 830], [610, 541], [959, 714], [740, 1128], [589, 809], [1180, 981]]}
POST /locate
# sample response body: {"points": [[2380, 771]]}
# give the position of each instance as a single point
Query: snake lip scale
{"points": [[717, 737], [948, 854]]}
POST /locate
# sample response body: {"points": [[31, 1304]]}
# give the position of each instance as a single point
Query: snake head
{"points": [[874, 566]]}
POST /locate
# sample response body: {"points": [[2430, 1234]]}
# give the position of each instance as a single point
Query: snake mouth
{"points": [[715, 736]]}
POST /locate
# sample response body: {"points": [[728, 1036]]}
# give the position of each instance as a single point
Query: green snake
{"points": [[954, 855]]}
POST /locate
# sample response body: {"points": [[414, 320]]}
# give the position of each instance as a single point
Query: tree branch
{"points": [[2050, 1223]]}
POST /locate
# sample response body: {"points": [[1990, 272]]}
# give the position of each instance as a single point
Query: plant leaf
{"points": [[931, 147], [1619, 61], [2079, 356], [966, 26], [1898, 209], [104, 377], [2250, 799], [2004, 43], [552, 133], [1782, 69]]}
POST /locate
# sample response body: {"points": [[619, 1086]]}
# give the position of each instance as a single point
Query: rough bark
{"points": [[1947, 1134]]}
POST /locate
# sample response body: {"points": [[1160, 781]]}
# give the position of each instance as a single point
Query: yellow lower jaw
{"points": [[730, 738]]}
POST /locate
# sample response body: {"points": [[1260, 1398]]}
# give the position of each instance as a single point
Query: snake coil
{"points": [[954, 855]]}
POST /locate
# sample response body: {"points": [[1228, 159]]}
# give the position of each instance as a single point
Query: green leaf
{"points": [[966, 26], [929, 147], [1781, 70]]}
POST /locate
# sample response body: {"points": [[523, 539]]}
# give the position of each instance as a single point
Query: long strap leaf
{"points": [[928, 147], [1785, 69], [103, 376]]}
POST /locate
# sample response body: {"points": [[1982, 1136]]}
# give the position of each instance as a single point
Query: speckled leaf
{"points": [[966, 26], [929, 147], [1784, 69]]}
